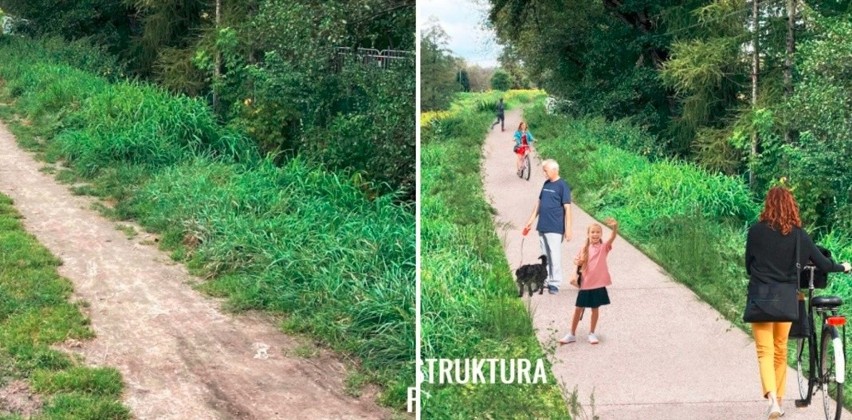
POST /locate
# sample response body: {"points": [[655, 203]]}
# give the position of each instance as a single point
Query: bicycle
{"points": [[822, 368], [526, 166]]}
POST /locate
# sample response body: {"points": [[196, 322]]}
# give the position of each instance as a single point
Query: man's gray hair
{"points": [[550, 163]]}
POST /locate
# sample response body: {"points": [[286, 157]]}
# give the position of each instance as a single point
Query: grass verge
{"points": [[35, 313]]}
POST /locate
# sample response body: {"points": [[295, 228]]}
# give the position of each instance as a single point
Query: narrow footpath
{"points": [[181, 357], [664, 354]]}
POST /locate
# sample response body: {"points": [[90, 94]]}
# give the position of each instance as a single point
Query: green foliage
{"points": [[164, 27], [372, 137], [105, 22], [437, 70], [82, 54], [464, 80], [462, 253], [821, 109], [604, 56], [35, 314], [268, 69], [500, 80], [293, 92]]}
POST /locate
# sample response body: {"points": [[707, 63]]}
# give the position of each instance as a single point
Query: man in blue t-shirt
{"points": [[554, 222]]}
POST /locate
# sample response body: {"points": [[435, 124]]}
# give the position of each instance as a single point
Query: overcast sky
{"points": [[463, 20]]}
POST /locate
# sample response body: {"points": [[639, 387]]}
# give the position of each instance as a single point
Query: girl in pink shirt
{"points": [[591, 262]]}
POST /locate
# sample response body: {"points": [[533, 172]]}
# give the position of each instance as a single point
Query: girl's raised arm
{"points": [[614, 226]]}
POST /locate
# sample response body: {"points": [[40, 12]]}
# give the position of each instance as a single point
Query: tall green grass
{"points": [[34, 314], [296, 239], [693, 223], [470, 304]]}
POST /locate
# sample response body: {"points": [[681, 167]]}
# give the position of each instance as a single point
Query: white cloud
{"points": [[463, 20]]}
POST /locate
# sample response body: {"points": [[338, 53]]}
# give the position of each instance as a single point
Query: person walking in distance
{"points": [[501, 115], [770, 258], [553, 210], [592, 266]]}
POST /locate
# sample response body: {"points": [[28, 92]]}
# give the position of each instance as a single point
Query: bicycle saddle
{"points": [[826, 301]]}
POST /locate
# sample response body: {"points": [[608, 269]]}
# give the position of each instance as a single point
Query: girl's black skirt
{"points": [[592, 298]]}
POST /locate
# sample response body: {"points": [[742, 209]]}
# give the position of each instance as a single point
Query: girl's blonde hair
{"points": [[584, 257]]}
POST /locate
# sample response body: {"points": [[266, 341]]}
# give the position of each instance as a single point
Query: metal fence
{"points": [[385, 59]]}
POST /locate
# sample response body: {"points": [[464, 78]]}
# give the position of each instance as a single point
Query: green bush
{"points": [[371, 135]]}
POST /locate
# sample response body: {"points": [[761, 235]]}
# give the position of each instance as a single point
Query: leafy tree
{"points": [[511, 63], [821, 109], [463, 80], [437, 69], [708, 71], [501, 80], [107, 22], [480, 78]]}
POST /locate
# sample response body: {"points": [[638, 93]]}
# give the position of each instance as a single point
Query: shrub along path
{"points": [[663, 353], [180, 356]]}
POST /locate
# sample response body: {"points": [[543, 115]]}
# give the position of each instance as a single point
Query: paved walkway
{"points": [[664, 354]]}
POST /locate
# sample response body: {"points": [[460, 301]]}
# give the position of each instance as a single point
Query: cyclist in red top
{"points": [[523, 141]]}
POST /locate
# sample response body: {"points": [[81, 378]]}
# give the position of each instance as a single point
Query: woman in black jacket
{"points": [[770, 255]]}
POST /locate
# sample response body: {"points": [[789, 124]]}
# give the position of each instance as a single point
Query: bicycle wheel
{"points": [[832, 372], [526, 168], [803, 368]]}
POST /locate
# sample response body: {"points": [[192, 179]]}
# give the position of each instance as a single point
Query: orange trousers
{"points": [[770, 339]]}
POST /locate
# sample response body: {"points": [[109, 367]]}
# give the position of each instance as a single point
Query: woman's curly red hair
{"points": [[780, 210]]}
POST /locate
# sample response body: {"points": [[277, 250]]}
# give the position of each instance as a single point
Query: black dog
{"points": [[532, 275]]}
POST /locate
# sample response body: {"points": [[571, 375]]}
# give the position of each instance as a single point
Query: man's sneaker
{"points": [[553, 290], [569, 338], [593, 339]]}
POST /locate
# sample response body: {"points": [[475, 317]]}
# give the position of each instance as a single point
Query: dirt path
{"points": [[664, 354], [180, 356]]}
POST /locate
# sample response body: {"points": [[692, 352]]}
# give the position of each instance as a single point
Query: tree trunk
{"points": [[755, 69], [788, 58], [218, 64]]}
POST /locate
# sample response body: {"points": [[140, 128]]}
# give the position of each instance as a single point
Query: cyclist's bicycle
{"points": [[526, 167], [822, 368]]}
